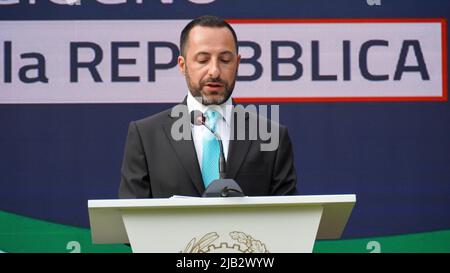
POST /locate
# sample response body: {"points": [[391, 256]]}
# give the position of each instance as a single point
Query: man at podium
{"points": [[157, 164]]}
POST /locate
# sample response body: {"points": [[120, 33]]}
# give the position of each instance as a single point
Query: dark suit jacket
{"points": [[156, 165]]}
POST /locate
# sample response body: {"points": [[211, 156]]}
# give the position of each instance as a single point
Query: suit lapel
{"points": [[238, 149], [185, 151]]}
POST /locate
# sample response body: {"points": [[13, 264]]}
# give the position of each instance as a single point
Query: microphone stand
{"points": [[221, 187], [222, 162]]}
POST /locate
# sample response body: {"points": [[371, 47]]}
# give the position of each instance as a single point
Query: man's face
{"points": [[210, 64]]}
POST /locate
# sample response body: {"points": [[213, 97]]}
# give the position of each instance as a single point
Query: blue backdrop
{"points": [[394, 155]]}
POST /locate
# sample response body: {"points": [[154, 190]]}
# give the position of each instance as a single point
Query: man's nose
{"points": [[214, 70]]}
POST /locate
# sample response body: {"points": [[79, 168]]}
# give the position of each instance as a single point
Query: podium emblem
{"points": [[235, 242]]}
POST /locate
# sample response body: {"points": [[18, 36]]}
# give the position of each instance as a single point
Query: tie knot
{"points": [[211, 118]]}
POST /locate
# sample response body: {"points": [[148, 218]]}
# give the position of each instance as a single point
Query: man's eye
{"points": [[202, 61], [225, 61]]}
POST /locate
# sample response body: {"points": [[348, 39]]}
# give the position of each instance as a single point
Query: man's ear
{"points": [[238, 61], [182, 64]]}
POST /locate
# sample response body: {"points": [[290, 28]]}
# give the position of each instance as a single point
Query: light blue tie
{"points": [[211, 150]]}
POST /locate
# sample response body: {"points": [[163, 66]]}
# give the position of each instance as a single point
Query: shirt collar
{"points": [[223, 109]]}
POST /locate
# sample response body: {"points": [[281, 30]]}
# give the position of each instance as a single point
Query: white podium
{"points": [[233, 224]]}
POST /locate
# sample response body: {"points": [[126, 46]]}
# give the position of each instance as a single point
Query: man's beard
{"points": [[197, 92]]}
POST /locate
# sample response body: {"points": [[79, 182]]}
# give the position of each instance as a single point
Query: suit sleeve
{"points": [[284, 179], [135, 181]]}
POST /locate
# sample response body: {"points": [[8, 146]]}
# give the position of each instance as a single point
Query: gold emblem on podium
{"points": [[212, 242]]}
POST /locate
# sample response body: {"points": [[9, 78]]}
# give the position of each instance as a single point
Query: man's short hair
{"points": [[204, 21]]}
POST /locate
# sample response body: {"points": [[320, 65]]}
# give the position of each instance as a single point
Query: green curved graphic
{"points": [[24, 234], [27, 235], [426, 242]]}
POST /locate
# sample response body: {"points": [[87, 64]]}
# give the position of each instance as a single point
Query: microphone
{"points": [[221, 187]]}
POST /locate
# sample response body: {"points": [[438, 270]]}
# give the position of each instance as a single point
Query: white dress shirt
{"points": [[223, 124]]}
